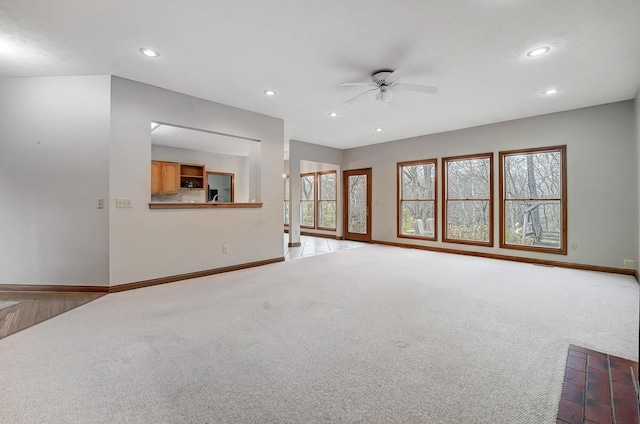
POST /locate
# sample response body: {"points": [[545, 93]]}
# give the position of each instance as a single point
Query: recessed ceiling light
{"points": [[5, 47], [149, 52], [551, 91], [378, 129], [334, 114], [538, 51], [269, 92]]}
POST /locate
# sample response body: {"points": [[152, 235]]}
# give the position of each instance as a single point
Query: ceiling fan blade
{"points": [[353, 99], [416, 87], [366, 84], [395, 74]]}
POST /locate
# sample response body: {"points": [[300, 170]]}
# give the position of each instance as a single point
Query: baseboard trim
{"points": [[307, 233], [296, 244], [329, 236], [131, 286], [187, 276], [48, 288], [561, 264]]}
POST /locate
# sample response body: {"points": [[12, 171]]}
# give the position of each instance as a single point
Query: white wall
{"points": [[214, 162], [54, 164], [300, 151], [637, 116], [147, 244], [602, 177], [308, 167]]}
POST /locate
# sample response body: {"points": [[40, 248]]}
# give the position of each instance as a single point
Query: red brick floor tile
{"points": [[599, 364], [574, 376], [620, 366], [575, 354], [572, 393], [577, 363], [621, 377], [624, 394], [578, 349], [596, 354], [605, 375], [599, 392], [626, 413], [622, 360], [597, 377], [570, 412], [598, 386], [599, 412]]}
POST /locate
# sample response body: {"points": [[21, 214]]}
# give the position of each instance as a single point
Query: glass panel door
{"points": [[357, 209]]}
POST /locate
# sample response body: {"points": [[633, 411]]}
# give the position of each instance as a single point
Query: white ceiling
{"points": [[186, 138], [231, 51]]}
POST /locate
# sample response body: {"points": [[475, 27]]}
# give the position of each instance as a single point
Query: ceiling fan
{"points": [[383, 81]]}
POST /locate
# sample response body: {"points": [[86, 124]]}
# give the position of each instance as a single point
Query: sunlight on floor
{"points": [[312, 246]]}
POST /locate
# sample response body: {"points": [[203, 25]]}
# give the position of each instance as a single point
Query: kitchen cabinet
{"points": [[165, 177], [192, 176]]}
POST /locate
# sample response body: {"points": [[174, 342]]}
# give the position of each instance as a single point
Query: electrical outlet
{"points": [[573, 246], [121, 202], [225, 248], [629, 264], [100, 203]]}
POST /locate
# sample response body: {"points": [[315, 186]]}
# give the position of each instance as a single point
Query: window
{"points": [[417, 199], [327, 200], [533, 210], [468, 192], [286, 200], [307, 200]]}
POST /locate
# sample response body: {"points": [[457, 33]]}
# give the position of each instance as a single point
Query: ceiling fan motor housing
{"points": [[380, 77]]}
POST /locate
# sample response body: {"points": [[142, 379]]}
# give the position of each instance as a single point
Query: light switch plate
{"points": [[122, 202], [100, 203]]}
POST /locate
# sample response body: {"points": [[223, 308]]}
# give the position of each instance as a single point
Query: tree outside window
{"points": [[307, 200], [533, 199], [327, 200], [286, 200], [468, 192], [417, 199]]}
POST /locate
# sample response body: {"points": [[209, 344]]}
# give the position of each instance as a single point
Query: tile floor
{"points": [[312, 246], [598, 389]]}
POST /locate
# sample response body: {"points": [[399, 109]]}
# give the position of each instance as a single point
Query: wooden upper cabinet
{"points": [[156, 177], [165, 177]]}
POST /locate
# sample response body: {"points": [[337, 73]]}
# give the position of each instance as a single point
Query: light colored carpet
{"points": [[6, 304], [375, 334]]}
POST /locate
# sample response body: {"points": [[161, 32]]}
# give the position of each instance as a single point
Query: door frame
{"points": [[345, 206]]}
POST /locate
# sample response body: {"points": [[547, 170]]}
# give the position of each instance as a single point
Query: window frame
{"points": [[318, 200], [446, 200], [400, 199], [286, 196], [314, 201], [562, 250]]}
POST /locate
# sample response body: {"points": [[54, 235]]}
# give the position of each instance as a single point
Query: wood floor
{"points": [[37, 307]]}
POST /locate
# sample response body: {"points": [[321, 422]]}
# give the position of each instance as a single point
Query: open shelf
{"points": [[191, 177]]}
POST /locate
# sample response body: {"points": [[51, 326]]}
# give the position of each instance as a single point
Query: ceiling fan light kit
{"points": [[384, 95], [383, 81]]}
